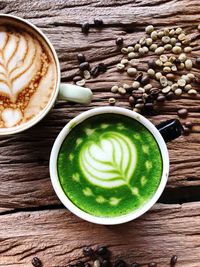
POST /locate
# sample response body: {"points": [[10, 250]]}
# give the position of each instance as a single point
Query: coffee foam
{"points": [[27, 76]]}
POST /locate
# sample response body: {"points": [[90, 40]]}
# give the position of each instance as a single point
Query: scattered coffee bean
{"points": [[152, 264], [98, 23], [112, 101], [137, 94], [188, 87], [81, 58], [159, 50], [121, 90], [119, 41], [161, 98], [145, 80], [178, 92], [81, 82], [102, 251], [166, 39], [124, 61], [191, 77], [187, 49], [130, 49], [186, 131], [120, 263], [131, 100], [131, 55], [88, 251], [79, 264], [169, 96], [131, 71], [135, 85], [168, 47], [84, 66], [97, 263], [181, 82], [85, 27], [188, 64], [105, 263], [139, 76], [163, 81], [114, 89], [149, 29], [102, 67], [170, 76], [182, 113], [154, 35], [86, 74], [36, 262], [120, 66], [149, 106], [77, 78], [153, 47], [94, 71], [158, 75], [151, 72], [173, 260], [166, 89], [197, 62], [176, 49], [152, 63], [192, 92], [124, 50], [189, 124]]}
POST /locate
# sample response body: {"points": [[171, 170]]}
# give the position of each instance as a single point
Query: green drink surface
{"points": [[109, 165]]}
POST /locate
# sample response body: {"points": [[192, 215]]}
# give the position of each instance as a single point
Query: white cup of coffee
{"points": [[110, 165], [29, 76]]}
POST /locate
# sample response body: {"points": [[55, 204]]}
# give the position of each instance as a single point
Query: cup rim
{"points": [[44, 112], [54, 174]]}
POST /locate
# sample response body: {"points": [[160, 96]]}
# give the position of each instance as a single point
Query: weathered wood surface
{"points": [[52, 233], [58, 237]]}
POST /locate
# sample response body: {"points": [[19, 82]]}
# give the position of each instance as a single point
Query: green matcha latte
{"points": [[109, 165]]}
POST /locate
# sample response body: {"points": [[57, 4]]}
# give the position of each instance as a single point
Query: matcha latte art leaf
{"points": [[110, 162]]}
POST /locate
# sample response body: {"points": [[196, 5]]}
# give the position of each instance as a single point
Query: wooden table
{"points": [[32, 220]]}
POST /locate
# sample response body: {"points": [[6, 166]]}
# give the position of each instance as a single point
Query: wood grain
{"points": [[58, 237], [24, 157], [52, 233]]}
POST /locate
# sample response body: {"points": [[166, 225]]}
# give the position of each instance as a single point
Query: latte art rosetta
{"points": [[27, 76], [109, 163]]}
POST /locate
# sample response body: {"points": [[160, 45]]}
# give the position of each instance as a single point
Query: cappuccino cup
{"points": [[29, 76]]}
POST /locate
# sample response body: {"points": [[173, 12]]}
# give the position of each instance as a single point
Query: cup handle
{"points": [[170, 129], [75, 93]]}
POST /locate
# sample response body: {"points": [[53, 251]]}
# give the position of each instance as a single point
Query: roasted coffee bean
{"points": [[149, 106], [161, 98], [94, 71], [102, 67], [85, 27], [173, 260], [84, 66], [154, 92], [98, 23], [131, 100], [36, 262], [186, 131], [105, 263], [169, 96], [145, 80], [102, 251], [152, 264], [119, 41], [79, 264], [137, 94], [182, 113], [139, 76], [197, 63], [120, 263], [81, 58], [88, 251], [135, 264], [77, 78], [189, 124], [177, 61], [152, 63]]}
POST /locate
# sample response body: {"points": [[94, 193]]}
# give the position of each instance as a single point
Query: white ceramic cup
{"points": [[55, 179], [62, 91]]}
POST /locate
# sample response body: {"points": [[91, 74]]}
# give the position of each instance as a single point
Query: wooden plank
{"points": [[58, 237], [24, 157]]}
